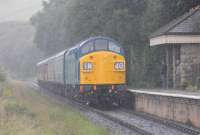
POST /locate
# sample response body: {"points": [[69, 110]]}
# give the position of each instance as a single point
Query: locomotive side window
{"points": [[101, 44], [113, 47], [88, 47]]}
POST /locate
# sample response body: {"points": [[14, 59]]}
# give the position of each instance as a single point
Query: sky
{"points": [[18, 10]]}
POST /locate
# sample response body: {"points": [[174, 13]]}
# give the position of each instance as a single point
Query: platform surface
{"points": [[169, 93]]}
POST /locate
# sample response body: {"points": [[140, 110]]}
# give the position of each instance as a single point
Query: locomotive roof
{"points": [[77, 46], [94, 38], [53, 57]]}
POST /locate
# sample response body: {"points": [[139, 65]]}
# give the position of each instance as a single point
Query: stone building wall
{"points": [[190, 55]]}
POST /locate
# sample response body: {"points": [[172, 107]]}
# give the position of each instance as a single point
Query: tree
{"points": [[63, 23]]}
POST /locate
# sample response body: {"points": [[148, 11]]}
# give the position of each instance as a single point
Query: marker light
{"points": [[119, 65], [87, 66]]}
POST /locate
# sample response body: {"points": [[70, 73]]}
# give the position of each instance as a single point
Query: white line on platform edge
{"points": [[165, 94]]}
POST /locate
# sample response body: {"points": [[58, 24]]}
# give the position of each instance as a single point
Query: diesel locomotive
{"points": [[93, 71]]}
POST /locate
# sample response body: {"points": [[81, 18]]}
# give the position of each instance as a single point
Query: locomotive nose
{"points": [[102, 69]]}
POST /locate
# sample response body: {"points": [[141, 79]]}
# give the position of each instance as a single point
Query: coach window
{"points": [[113, 47], [101, 44], [88, 47]]}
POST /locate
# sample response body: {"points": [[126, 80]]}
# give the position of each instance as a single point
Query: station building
{"points": [[181, 40]]}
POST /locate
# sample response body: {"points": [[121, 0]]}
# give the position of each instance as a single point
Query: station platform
{"points": [[169, 93], [176, 105]]}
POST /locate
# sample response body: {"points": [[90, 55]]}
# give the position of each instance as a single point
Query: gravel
{"points": [[148, 125], [113, 128]]}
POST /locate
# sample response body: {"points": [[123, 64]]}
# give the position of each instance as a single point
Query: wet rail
{"points": [[178, 126]]}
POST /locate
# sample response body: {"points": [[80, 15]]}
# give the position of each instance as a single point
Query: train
{"points": [[93, 71]]}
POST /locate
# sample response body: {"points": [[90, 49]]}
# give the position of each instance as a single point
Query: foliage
{"points": [[63, 23]]}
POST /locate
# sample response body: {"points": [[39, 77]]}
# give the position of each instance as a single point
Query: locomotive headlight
{"points": [[119, 65], [87, 66]]}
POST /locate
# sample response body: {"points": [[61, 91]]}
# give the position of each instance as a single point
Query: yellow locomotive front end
{"points": [[102, 70]]}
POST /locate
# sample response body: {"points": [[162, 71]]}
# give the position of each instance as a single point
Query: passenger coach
{"points": [[93, 71]]}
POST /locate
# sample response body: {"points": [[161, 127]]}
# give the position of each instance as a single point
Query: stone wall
{"points": [[186, 111], [190, 55]]}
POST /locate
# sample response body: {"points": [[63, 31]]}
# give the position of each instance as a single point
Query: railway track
{"points": [[122, 123], [117, 117], [87, 108], [139, 123], [116, 120], [169, 123]]}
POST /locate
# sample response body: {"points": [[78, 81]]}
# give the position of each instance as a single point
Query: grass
{"points": [[26, 112]]}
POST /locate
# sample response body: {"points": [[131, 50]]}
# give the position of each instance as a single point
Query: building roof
{"points": [[183, 30], [185, 19]]}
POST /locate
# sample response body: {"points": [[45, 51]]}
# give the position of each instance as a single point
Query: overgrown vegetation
{"points": [[25, 112], [63, 23], [2, 76]]}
